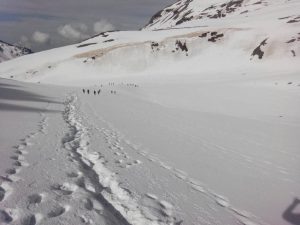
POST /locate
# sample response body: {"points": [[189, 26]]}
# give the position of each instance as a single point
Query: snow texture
{"points": [[178, 124]]}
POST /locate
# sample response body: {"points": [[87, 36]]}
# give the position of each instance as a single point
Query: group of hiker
{"points": [[131, 85], [96, 92]]}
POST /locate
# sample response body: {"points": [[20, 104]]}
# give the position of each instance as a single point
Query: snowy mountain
{"points": [[9, 51], [248, 33], [183, 11], [194, 119]]}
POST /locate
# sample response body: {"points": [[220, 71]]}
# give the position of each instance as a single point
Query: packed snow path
{"points": [[152, 210], [119, 159]]}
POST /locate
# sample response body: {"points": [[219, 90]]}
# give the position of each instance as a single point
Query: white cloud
{"points": [[40, 37], [73, 33], [103, 25], [24, 42], [82, 27]]}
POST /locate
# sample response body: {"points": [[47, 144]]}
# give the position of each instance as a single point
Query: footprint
{"points": [[58, 211], [112, 148], [95, 156], [17, 157], [120, 148], [85, 220], [27, 143], [85, 184], [151, 159], [222, 201], [119, 161], [21, 147], [12, 171], [165, 166], [242, 213], [21, 163], [198, 188], [92, 204], [158, 210], [128, 165], [65, 189], [151, 196], [137, 162], [21, 152], [167, 207], [74, 174], [180, 174], [143, 153], [10, 178], [89, 204], [2, 194], [32, 219], [33, 134], [18, 163], [5, 216], [5, 190], [35, 198]]}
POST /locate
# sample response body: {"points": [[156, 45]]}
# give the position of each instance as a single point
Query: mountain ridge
{"points": [[9, 51], [261, 37], [183, 11]]}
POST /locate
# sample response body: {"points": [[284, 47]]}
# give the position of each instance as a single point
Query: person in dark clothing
{"points": [[83, 91], [88, 91], [99, 91], [289, 214], [94, 92]]}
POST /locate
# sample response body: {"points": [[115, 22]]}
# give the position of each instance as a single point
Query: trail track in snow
{"points": [[10, 179], [91, 178], [119, 201], [127, 155]]}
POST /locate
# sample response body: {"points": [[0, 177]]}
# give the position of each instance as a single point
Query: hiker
{"points": [[290, 215], [94, 92], [88, 91], [83, 91], [99, 91]]}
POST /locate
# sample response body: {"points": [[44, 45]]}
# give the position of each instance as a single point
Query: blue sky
{"points": [[44, 24]]}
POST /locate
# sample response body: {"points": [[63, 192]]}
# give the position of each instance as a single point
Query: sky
{"points": [[46, 24]]}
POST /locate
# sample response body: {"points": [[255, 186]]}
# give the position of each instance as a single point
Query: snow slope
{"points": [[194, 123], [8, 51], [229, 44], [204, 12], [161, 151]]}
